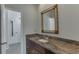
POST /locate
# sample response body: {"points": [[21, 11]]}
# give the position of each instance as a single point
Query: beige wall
{"points": [[68, 21], [44, 6]]}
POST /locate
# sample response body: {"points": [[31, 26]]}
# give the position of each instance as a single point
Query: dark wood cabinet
{"points": [[34, 48]]}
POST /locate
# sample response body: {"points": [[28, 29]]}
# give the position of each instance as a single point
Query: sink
{"points": [[43, 40]]}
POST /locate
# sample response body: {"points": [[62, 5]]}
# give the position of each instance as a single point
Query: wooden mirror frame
{"points": [[56, 31]]}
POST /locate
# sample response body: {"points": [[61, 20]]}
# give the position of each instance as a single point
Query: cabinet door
{"points": [[34, 48]]}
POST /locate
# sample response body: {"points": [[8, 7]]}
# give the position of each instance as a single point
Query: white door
{"points": [[14, 27]]}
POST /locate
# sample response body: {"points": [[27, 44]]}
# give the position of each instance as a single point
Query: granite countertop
{"points": [[57, 45]]}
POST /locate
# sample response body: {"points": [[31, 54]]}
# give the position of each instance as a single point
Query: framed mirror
{"points": [[50, 20]]}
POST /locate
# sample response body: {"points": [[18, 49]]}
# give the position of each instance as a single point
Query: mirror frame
{"points": [[56, 31]]}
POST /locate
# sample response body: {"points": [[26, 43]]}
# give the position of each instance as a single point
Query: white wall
{"points": [[29, 19], [68, 21]]}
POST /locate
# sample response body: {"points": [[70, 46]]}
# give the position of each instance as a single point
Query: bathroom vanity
{"points": [[43, 44]]}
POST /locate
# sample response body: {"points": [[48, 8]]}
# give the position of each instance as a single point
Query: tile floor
{"points": [[14, 49]]}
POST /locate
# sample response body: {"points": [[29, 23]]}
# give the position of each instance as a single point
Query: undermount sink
{"points": [[43, 40]]}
